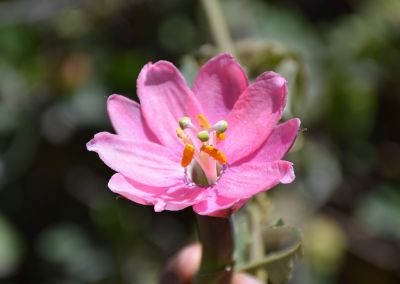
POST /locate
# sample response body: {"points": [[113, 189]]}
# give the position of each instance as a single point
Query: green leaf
{"points": [[279, 222], [283, 244]]}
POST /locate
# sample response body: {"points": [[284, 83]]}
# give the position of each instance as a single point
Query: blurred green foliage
{"points": [[59, 60]]}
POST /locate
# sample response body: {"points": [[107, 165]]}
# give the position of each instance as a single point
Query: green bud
{"points": [[203, 136]]}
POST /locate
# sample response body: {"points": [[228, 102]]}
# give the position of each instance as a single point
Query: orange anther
{"points": [[203, 122], [181, 134], [215, 153], [187, 156], [221, 136]]}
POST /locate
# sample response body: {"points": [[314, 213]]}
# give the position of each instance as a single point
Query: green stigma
{"points": [[220, 126], [185, 122], [203, 136]]}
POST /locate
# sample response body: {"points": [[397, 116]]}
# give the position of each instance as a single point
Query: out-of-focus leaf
{"points": [[322, 172], [265, 250], [325, 244], [379, 211], [360, 50], [10, 248], [121, 70], [177, 34], [283, 41], [72, 23], [261, 55], [8, 119], [282, 245], [68, 247], [17, 43]]}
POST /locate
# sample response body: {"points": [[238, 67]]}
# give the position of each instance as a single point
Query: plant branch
{"points": [[218, 26]]}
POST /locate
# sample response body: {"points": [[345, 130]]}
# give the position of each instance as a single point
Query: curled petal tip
{"points": [[279, 81], [289, 176], [298, 121], [91, 145], [159, 205], [273, 78], [114, 96]]}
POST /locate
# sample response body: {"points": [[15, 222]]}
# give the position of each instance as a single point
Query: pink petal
{"points": [[140, 193], [254, 116], [278, 143], [218, 85], [149, 163], [175, 198], [126, 118], [248, 179], [218, 206], [165, 99]]}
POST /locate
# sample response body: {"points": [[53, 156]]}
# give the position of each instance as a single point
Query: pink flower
{"points": [[211, 147]]}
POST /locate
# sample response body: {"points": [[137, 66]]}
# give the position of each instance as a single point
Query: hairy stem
{"points": [[217, 239]]}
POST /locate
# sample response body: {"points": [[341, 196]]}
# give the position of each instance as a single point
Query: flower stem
{"points": [[216, 237], [218, 26]]}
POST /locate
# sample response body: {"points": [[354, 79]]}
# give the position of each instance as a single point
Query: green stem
{"points": [[218, 26], [257, 248], [216, 237]]}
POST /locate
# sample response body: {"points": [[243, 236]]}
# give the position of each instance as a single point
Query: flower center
{"points": [[202, 161]]}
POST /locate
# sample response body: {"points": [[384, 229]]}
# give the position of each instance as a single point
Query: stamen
{"points": [[220, 126], [186, 122], [187, 156], [181, 134], [221, 136], [201, 160], [215, 153], [203, 122], [203, 136]]}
